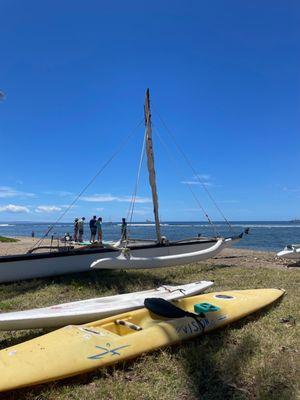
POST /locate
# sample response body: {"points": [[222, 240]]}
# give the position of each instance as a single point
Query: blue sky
{"points": [[224, 76]]}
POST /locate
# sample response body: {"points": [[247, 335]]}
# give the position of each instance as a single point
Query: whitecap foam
{"points": [[144, 225], [266, 226]]}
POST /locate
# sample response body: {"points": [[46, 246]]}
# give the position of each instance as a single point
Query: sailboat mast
{"points": [[150, 163]]}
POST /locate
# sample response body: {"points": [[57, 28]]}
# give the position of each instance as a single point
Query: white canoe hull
{"points": [[291, 252], [39, 266], [28, 266], [183, 255], [81, 312]]}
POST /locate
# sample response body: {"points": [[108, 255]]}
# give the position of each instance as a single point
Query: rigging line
{"points": [[193, 170], [117, 151], [133, 199], [188, 185]]}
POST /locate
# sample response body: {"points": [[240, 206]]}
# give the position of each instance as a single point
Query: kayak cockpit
{"points": [[122, 327]]}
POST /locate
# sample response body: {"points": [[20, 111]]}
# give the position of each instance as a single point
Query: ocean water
{"points": [[271, 236]]}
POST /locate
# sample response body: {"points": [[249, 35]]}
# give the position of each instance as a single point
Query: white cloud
{"points": [[14, 209], [140, 200], [203, 177], [110, 198], [99, 198], [191, 182], [60, 193], [47, 209], [292, 190], [142, 211], [6, 191], [197, 183], [199, 179], [99, 209]]}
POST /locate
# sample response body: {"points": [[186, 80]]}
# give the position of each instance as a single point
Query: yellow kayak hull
{"points": [[77, 349]]}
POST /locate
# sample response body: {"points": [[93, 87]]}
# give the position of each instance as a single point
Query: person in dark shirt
{"points": [[93, 228], [124, 229], [76, 230]]}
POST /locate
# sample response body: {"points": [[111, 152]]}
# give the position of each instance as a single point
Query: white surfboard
{"points": [[80, 312]]}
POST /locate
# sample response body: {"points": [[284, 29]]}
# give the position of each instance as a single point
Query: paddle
{"points": [[166, 309]]}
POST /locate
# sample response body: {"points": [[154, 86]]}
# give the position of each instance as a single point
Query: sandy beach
{"points": [[22, 246], [229, 257]]}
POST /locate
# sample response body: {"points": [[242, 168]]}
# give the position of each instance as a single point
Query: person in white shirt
{"points": [[99, 229], [81, 229]]}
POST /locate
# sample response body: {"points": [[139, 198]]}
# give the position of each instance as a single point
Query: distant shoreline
{"points": [[70, 221]]}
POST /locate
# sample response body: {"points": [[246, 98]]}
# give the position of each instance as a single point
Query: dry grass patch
{"points": [[4, 239]]}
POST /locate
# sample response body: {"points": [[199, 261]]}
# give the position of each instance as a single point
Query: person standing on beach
{"points": [[76, 230], [93, 228], [80, 229], [123, 230], [99, 229]]}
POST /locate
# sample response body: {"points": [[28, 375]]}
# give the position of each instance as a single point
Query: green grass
{"points": [[256, 358], [4, 239]]}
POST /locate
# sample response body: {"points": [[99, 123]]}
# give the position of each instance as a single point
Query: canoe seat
{"points": [[128, 324]]}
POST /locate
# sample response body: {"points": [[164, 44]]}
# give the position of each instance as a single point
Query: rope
{"points": [[188, 185], [133, 199], [193, 170], [123, 143]]}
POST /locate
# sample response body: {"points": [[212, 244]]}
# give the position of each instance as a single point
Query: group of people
{"points": [[95, 229]]}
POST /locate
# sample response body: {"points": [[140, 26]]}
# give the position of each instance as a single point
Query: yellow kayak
{"points": [[77, 349]]}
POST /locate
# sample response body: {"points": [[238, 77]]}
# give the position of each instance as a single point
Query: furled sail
{"points": [[150, 163]]}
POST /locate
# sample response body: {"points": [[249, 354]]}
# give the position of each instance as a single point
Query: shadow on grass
{"points": [[293, 264], [220, 376], [211, 379], [215, 365], [11, 290], [230, 257], [107, 279], [218, 266], [21, 338]]}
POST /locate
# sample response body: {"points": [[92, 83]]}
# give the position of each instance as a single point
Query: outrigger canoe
{"points": [[80, 312], [77, 349], [290, 252]]}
